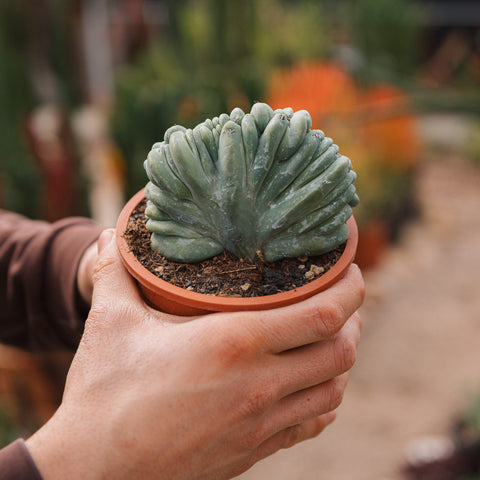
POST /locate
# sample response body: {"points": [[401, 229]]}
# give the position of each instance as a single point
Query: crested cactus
{"points": [[262, 183]]}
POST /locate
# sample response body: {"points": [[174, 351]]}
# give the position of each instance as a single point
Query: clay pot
{"points": [[175, 300]]}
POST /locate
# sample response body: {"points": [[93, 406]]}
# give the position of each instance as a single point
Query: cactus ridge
{"points": [[259, 183]]}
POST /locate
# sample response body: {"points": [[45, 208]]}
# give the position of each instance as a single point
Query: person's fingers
{"points": [[306, 404], [111, 281], [292, 435], [318, 362], [309, 321]]}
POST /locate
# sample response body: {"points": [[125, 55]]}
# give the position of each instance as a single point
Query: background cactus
{"points": [[261, 183]]}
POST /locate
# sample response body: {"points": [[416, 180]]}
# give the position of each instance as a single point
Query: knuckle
{"points": [[235, 347], [358, 320], [336, 389], [106, 313], [102, 267], [257, 402], [347, 353], [244, 465], [318, 324], [252, 440], [329, 318], [104, 308], [292, 436]]}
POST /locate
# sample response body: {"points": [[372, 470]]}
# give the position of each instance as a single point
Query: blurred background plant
{"points": [[375, 126], [87, 86], [457, 457]]}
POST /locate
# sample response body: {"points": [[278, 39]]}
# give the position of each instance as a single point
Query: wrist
{"points": [[61, 450]]}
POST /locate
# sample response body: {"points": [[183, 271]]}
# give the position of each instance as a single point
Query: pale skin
{"points": [[154, 396]]}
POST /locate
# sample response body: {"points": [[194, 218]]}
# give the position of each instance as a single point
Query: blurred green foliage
{"points": [[17, 174], [467, 427], [19, 93], [386, 33], [214, 56], [9, 431]]}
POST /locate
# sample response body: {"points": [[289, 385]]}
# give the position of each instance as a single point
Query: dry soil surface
{"points": [[418, 364]]}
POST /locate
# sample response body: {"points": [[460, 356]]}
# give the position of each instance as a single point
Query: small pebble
{"points": [[301, 267], [246, 286], [189, 288], [309, 275], [317, 270]]}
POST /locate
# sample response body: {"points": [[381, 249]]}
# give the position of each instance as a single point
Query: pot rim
{"points": [[194, 299]]}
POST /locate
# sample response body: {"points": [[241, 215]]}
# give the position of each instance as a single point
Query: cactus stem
{"points": [[249, 183]]}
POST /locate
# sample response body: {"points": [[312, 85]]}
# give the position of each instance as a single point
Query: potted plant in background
{"points": [[377, 127], [256, 188]]}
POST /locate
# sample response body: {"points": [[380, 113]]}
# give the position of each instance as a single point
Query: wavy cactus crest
{"points": [[261, 183]]}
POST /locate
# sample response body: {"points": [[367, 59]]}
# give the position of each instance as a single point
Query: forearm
{"points": [[41, 307]]}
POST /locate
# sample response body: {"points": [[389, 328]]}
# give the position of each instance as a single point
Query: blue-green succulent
{"points": [[259, 184]]}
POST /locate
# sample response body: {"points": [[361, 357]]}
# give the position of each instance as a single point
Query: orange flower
{"points": [[321, 88], [378, 120]]}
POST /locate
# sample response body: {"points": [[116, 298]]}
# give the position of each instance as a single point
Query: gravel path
{"points": [[419, 359]]}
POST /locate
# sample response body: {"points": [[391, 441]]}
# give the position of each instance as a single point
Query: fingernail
{"points": [[104, 239]]}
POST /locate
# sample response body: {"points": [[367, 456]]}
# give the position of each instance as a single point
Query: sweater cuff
{"points": [[16, 463], [69, 246]]}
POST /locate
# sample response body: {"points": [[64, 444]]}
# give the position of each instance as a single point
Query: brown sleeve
{"points": [[39, 302], [16, 463]]}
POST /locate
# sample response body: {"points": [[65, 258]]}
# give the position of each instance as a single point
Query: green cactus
{"points": [[257, 184]]}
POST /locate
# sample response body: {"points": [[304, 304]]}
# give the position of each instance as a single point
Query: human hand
{"points": [[85, 273], [153, 396]]}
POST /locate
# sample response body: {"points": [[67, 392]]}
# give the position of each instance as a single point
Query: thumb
{"points": [[105, 238], [110, 278]]}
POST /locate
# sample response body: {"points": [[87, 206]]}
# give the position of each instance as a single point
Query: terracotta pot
{"points": [[172, 299]]}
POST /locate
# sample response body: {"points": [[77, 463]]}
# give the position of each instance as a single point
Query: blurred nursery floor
{"points": [[418, 364]]}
